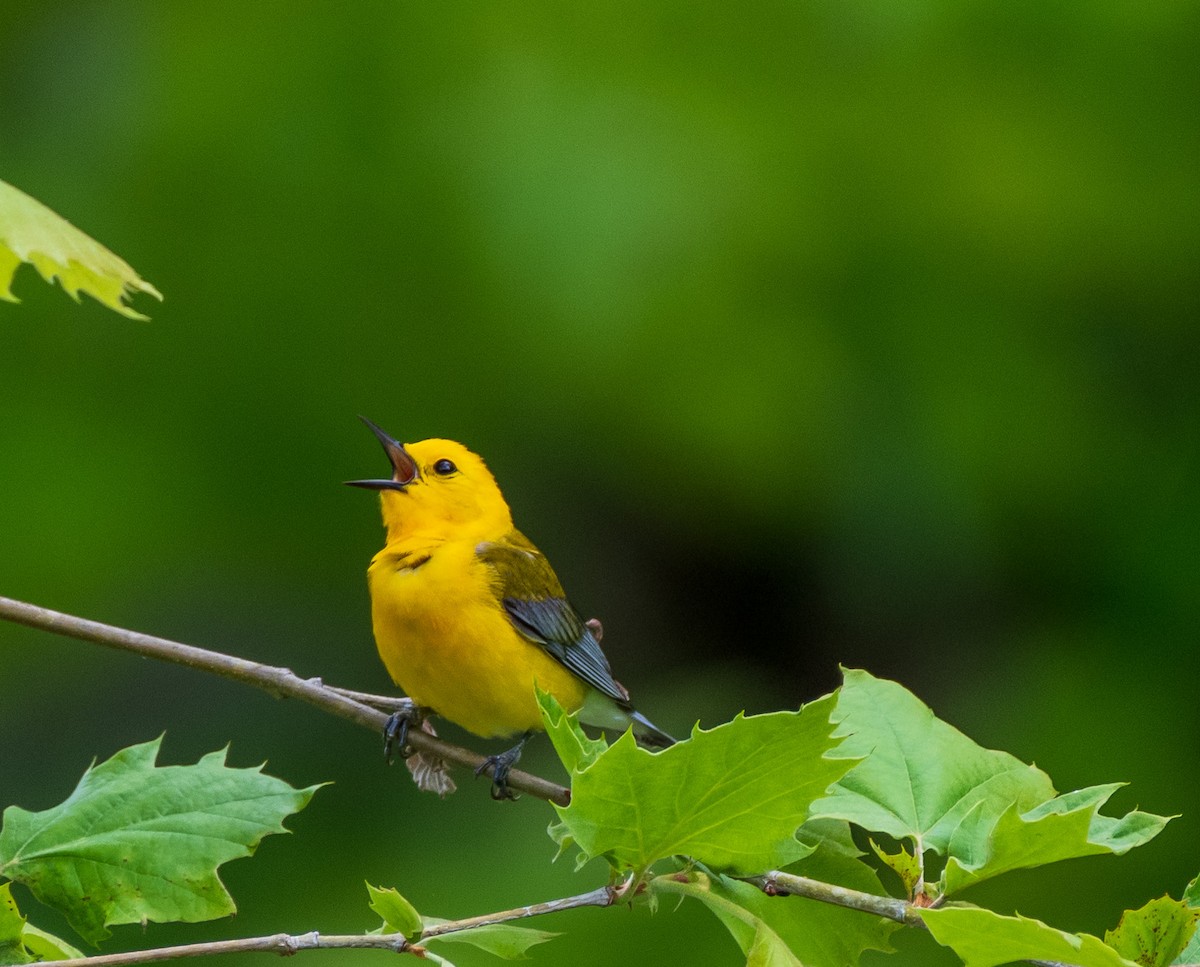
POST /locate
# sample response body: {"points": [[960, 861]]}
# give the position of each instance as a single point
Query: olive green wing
{"points": [[530, 593]]}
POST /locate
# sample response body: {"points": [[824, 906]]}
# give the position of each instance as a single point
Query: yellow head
{"points": [[438, 488]]}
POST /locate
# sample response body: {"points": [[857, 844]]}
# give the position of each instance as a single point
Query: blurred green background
{"points": [[796, 333]]}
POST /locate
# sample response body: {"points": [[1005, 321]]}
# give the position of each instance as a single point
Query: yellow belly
{"points": [[449, 645]]}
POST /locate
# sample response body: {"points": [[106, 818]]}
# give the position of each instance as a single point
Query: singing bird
{"points": [[468, 614]]}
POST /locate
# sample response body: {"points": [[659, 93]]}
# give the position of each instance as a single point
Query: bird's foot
{"points": [[499, 766], [395, 731]]}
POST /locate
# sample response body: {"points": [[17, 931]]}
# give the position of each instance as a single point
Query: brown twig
{"points": [[281, 682], [287, 944]]}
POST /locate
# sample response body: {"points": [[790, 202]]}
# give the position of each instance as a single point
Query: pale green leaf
{"points": [[501, 939], [1065, 827], [46, 946], [983, 938], [399, 916], [31, 232], [137, 842], [731, 797], [22, 942], [1156, 934]]}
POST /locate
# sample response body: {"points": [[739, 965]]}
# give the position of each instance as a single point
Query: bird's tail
{"points": [[647, 733], [604, 712]]}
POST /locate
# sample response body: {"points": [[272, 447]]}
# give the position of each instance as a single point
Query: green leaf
{"points": [[793, 930], [924, 780], [1191, 895], [760, 943], [822, 933], [904, 864], [31, 232], [46, 946], [921, 777], [812, 933], [501, 939], [731, 797], [576, 750], [1191, 953], [136, 842], [768, 950], [1156, 934], [399, 916], [21, 942], [12, 926], [1065, 827], [986, 939]]}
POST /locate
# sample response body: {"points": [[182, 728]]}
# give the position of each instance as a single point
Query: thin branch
{"points": [[364, 709], [287, 944], [280, 682], [604, 896], [778, 883]]}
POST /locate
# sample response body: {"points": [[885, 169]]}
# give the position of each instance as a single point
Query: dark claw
{"points": [[395, 735], [500, 766]]}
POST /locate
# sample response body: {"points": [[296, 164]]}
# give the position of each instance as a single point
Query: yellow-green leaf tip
{"points": [[31, 232]]}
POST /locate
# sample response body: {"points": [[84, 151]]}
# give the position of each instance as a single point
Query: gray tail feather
{"points": [[649, 734]]}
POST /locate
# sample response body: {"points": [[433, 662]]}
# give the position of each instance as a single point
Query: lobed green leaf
{"points": [[1065, 827], [137, 842], [731, 797], [1156, 934], [983, 938], [923, 780]]}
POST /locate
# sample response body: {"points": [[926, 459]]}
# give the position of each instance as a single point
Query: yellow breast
{"points": [[447, 642]]}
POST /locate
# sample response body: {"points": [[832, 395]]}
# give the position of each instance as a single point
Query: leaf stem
{"points": [[280, 682], [287, 944]]}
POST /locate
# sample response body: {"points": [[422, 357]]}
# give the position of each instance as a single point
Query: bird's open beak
{"points": [[404, 468]]}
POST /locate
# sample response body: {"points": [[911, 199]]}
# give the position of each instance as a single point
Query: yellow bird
{"points": [[468, 614]]}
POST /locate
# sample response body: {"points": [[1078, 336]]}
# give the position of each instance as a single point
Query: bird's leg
{"points": [[500, 766], [395, 731]]}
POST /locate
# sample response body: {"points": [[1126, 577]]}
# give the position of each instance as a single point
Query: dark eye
{"points": [[443, 468]]}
